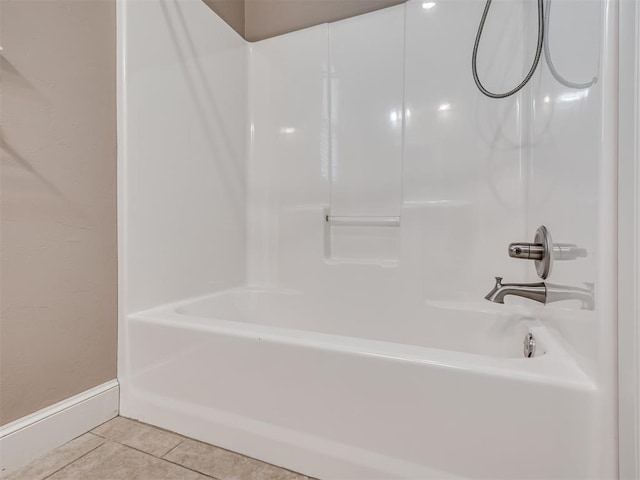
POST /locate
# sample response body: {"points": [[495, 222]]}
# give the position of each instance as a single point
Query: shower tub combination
{"points": [[248, 370], [308, 226]]}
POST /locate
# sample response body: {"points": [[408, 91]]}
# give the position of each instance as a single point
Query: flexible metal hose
{"points": [[547, 56], [536, 60]]}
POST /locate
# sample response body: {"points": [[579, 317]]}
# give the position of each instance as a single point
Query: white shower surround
{"points": [[367, 352]]}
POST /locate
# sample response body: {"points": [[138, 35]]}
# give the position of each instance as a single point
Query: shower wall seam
{"points": [[248, 156], [405, 110], [330, 127]]}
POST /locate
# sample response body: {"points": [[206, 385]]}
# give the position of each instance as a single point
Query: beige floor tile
{"points": [[58, 458], [138, 435], [225, 465], [113, 461]]}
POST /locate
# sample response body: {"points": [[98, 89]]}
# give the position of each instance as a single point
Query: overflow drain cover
{"points": [[529, 345]]}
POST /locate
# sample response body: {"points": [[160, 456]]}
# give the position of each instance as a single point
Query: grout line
{"points": [[139, 422], [74, 461], [191, 469], [233, 453], [182, 439], [165, 460], [98, 426], [171, 449], [255, 459]]}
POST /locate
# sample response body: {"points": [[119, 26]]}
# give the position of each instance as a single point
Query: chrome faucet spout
{"points": [[541, 292], [532, 291]]}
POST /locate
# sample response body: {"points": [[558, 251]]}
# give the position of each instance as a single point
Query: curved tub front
{"points": [[338, 406]]}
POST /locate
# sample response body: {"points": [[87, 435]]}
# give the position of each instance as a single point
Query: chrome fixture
{"points": [[529, 346], [532, 291], [538, 251], [534, 64], [541, 292], [543, 251]]}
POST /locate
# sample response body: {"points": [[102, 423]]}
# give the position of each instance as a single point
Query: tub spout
{"points": [[541, 292], [532, 291]]}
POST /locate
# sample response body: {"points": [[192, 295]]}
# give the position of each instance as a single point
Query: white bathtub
{"points": [[252, 371]]}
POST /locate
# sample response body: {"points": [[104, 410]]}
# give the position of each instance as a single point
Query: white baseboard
{"points": [[29, 437]]}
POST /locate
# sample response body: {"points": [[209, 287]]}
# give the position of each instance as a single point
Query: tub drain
{"points": [[529, 346]]}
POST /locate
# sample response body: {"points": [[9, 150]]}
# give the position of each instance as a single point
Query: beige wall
{"points": [[231, 11], [268, 18], [260, 19], [58, 263]]}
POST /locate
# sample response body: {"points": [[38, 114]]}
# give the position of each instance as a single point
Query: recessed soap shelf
{"points": [[362, 221], [362, 240]]}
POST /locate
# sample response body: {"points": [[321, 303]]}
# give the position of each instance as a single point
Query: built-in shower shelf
{"points": [[357, 239], [367, 221]]}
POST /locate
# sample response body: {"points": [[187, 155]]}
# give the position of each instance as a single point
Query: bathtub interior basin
{"points": [[479, 329]]}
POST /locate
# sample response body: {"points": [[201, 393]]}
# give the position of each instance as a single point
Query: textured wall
{"points": [[58, 187]]}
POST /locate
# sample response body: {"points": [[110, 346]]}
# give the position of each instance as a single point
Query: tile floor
{"points": [[124, 449]]}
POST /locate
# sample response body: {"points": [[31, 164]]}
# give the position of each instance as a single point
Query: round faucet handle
{"points": [[540, 251], [498, 280]]}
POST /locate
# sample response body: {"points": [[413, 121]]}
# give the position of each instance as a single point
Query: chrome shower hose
{"points": [[536, 60]]}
